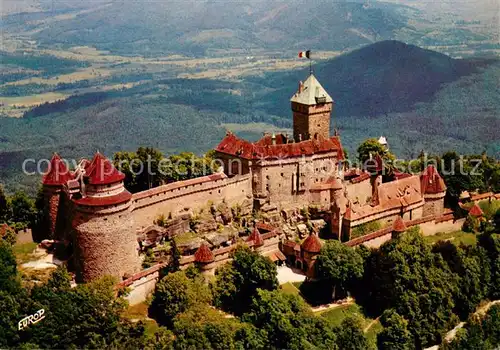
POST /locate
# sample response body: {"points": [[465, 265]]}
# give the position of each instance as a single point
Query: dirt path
{"points": [[370, 325], [349, 301], [451, 334]]}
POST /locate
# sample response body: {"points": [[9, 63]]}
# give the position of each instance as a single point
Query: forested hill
{"points": [[385, 77]]}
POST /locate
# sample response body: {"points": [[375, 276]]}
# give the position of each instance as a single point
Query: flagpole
{"points": [[310, 65]]}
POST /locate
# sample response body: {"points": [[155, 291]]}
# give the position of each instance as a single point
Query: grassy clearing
{"points": [[371, 326], [457, 237], [289, 288], [139, 312], [23, 252]]}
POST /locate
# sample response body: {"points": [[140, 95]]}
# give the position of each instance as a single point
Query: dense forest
{"points": [[418, 290]]}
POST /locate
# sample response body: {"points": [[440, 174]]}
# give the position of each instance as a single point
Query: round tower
{"points": [[55, 178], [104, 240], [433, 189], [204, 259]]}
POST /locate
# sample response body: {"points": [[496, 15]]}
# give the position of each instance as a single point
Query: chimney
{"points": [[273, 139], [300, 137], [301, 86]]}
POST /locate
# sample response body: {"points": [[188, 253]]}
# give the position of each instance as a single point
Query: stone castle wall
{"points": [[52, 198], [105, 244], [359, 192], [194, 195], [434, 204], [285, 182]]}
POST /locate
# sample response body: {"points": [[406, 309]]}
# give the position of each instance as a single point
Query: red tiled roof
{"points": [[312, 244], [235, 146], [58, 173], [476, 210], [4, 228], [102, 172], [255, 237], [267, 140], [122, 197], [204, 254], [399, 225], [431, 182]]}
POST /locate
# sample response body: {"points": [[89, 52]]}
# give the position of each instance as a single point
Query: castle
{"points": [[91, 209]]}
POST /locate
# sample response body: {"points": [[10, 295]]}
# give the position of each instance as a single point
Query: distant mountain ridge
{"points": [[194, 27], [385, 77]]}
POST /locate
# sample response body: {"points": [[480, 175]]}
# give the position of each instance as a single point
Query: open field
{"points": [[457, 237]]}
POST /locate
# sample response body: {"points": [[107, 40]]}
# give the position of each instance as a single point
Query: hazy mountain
{"points": [[195, 26], [419, 98], [385, 77]]}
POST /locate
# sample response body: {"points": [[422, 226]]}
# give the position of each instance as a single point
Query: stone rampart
{"points": [[430, 225], [193, 194]]}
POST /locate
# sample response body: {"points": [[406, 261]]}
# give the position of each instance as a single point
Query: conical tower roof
{"points": [[311, 244], [255, 237], [399, 225], [311, 93], [57, 173], [204, 255], [102, 172]]}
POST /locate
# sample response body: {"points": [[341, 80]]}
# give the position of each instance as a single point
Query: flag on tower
{"points": [[306, 54]]}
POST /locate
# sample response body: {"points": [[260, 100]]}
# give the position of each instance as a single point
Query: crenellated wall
{"points": [[193, 194]]}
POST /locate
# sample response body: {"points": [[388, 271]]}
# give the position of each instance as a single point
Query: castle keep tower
{"points": [[105, 240], [312, 107], [53, 182]]}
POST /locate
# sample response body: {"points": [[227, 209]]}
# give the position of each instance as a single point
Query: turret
{"points": [[398, 227], [55, 178], [433, 189], [203, 258], [311, 107], [105, 241]]}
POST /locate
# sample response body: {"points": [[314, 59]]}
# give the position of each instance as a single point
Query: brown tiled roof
{"points": [[203, 255], [398, 225], [58, 173], [476, 210], [235, 146], [311, 244], [255, 237], [431, 181]]}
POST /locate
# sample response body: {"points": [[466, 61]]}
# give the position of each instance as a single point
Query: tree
{"points": [[471, 266], [370, 148], [5, 210], [236, 283], [174, 294], [288, 322], [340, 265], [404, 274], [23, 209], [350, 335], [202, 327], [8, 268], [491, 244], [395, 335]]}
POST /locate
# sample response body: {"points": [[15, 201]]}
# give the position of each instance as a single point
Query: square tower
{"points": [[312, 108]]}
